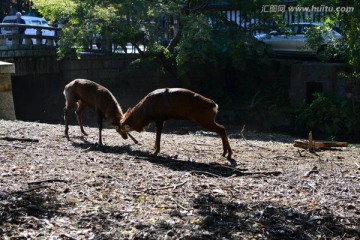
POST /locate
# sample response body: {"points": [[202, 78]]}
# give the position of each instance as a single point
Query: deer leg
{"points": [[219, 129], [78, 113], [159, 127], [67, 108], [66, 122], [100, 125]]}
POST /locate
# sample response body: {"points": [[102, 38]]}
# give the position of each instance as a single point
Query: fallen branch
{"points": [[48, 180], [318, 145], [19, 139], [31, 189], [218, 166]]}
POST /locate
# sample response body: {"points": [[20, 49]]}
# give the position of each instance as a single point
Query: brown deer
{"points": [[85, 93], [174, 103]]}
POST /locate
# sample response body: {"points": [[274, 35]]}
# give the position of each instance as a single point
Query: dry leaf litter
{"points": [[52, 188]]}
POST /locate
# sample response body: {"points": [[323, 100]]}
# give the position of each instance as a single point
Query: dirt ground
{"points": [[52, 188]]}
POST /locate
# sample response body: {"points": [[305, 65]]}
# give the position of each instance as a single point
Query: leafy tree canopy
{"points": [[349, 23], [122, 21], [195, 41]]}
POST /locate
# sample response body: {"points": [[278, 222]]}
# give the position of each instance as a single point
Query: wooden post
{"points": [[311, 144]]}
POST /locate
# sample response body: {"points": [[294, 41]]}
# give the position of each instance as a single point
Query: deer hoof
{"points": [[233, 163]]}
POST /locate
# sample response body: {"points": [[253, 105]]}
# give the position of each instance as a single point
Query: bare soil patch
{"points": [[52, 188]]}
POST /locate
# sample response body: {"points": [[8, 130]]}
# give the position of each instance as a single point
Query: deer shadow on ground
{"points": [[212, 169], [223, 168], [95, 147]]}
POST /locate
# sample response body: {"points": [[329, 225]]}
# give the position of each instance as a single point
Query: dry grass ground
{"points": [[52, 188]]}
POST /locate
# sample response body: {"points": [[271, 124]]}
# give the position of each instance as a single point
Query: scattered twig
{"points": [[181, 206], [132, 138], [358, 165], [48, 180], [86, 149], [276, 173], [30, 190], [204, 172], [152, 158], [300, 154], [11, 145], [167, 187], [243, 137], [19, 129], [65, 236], [251, 145], [313, 170], [19, 139], [280, 156], [230, 168]]}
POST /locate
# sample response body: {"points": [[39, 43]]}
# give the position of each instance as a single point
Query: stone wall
{"points": [[7, 110], [108, 71], [309, 77], [39, 81]]}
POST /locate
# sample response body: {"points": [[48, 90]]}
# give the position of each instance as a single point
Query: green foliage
{"points": [[349, 22], [323, 41], [149, 64], [120, 22], [329, 116], [116, 22], [195, 45], [54, 9]]}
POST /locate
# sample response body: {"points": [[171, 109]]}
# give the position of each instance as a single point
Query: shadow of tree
{"points": [[31, 213], [214, 219], [217, 219], [264, 220], [28, 208]]}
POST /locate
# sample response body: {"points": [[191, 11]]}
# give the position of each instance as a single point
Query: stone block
{"points": [[7, 110]]}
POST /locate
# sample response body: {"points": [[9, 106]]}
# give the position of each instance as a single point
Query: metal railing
{"points": [[13, 38]]}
